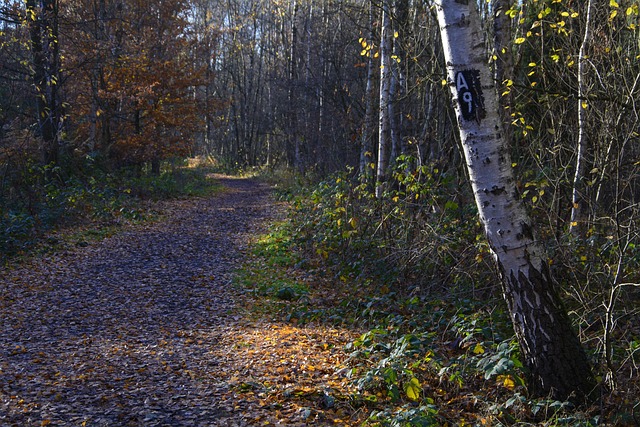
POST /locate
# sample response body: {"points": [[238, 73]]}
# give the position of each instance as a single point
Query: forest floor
{"points": [[145, 328]]}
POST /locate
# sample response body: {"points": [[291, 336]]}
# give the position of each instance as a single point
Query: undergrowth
{"points": [[57, 198], [411, 274]]}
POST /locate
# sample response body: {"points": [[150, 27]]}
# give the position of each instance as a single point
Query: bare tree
{"points": [[577, 197], [384, 130], [366, 149], [42, 20]]}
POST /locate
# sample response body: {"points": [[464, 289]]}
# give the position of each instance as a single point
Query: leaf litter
{"points": [[144, 328]]}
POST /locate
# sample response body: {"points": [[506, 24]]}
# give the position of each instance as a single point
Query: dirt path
{"points": [[141, 329]]}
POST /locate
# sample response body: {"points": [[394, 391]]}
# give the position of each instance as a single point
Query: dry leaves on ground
{"points": [[143, 329]]}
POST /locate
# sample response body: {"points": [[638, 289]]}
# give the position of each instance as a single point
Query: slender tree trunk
{"points": [[43, 31], [399, 107], [366, 148], [294, 137], [577, 195], [385, 86], [551, 350]]}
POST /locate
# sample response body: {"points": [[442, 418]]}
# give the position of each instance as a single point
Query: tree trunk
{"points": [[557, 364], [577, 195], [366, 148], [385, 86], [43, 31], [294, 136]]}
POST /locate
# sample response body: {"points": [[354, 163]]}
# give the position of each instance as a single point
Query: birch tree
{"points": [[366, 154], [577, 198], [385, 93], [557, 364]]}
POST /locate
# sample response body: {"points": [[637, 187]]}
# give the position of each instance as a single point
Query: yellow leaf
{"points": [[396, 35], [613, 3], [478, 349], [584, 105], [520, 40], [506, 381], [413, 389], [614, 13]]}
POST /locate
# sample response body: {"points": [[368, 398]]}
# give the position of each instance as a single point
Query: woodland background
{"points": [[102, 100]]}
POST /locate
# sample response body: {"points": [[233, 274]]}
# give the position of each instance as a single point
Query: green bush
{"points": [[418, 233]]}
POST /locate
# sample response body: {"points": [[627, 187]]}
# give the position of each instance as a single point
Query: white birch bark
{"points": [[577, 196], [366, 154], [550, 348], [385, 86]]}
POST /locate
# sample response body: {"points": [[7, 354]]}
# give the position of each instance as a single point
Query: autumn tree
{"points": [[134, 98]]}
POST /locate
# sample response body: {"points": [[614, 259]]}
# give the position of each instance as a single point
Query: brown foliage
{"points": [[135, 79]]}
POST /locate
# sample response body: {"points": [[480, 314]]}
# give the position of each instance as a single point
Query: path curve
{"points": [[123, 332]]}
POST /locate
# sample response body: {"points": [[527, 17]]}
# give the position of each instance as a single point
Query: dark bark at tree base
{"points": [[557, 365]]}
